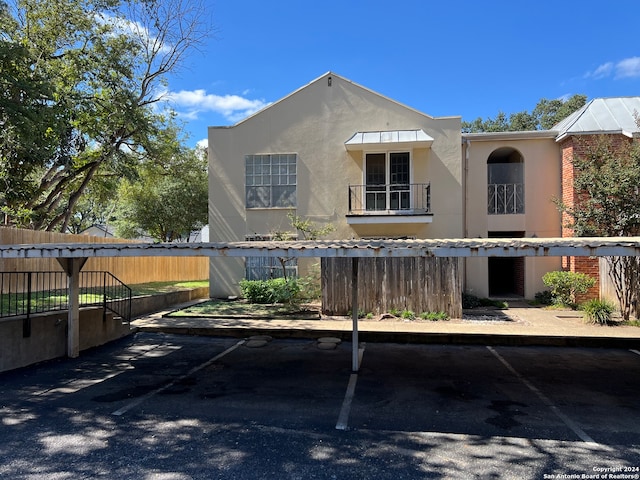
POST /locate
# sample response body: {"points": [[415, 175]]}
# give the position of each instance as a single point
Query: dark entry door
{"points": [[506, 274]]}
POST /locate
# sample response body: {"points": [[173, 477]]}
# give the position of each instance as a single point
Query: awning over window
{"points": [[390, 138]]}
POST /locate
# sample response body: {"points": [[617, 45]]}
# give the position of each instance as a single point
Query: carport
{"points": [[73, 256]]}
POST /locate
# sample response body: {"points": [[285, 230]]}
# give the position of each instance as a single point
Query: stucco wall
{"points": [[48, 337], [542, 179], [315, 122]]}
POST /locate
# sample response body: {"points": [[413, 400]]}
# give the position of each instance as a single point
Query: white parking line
{"points": [[635, 351], [343, 418], [582, 435], [141, 399]]}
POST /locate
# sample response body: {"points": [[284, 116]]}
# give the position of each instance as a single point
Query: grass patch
{"points": [[152, 288], [42, 301], [631, 323], [241, 308]]}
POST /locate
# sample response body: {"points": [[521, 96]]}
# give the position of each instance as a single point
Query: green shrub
{"points": [[470, 301], [487, 302], [598, 311], [275, 290], [394, 311], [566, 285], [544, 298], [408, 315], [434, 316]]}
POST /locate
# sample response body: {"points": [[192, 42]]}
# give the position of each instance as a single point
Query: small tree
{"points": [[308, 229], [607, 204]]}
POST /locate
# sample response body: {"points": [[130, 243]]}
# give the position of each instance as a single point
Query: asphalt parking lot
{"points": [[159, 406]]}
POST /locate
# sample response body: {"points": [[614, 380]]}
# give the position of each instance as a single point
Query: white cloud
{"points": [[204, 143], [191, 103], [627, 68], [134, 30], [602, 71]]}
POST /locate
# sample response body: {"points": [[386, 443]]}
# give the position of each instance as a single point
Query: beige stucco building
{"points": [[338, 153], [516, 203]]}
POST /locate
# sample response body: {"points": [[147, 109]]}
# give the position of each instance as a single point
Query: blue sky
{"points": [[466, 58]]}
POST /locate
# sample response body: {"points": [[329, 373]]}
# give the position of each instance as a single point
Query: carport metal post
{"points": [[72, 267], [354, 314]]}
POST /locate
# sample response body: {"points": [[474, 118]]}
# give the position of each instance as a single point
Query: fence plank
{"points": [[421, 284]]}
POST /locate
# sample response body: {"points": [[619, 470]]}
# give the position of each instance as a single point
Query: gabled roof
{"points": [[330, 76], [602, 115]]}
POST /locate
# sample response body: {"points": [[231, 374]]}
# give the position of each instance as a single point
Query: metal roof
{"points": [[465, 247], [394, 137], [602, 115]]}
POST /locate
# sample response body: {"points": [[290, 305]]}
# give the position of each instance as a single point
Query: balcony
{"points": [[391, 203], [505, 198]]}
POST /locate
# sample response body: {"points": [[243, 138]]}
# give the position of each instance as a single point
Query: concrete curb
{"points": [[407, 337]]}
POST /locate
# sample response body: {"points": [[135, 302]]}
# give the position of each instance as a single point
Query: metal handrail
{"points": [[28, 293], [505, 198], [403, 199], [105, 289]]}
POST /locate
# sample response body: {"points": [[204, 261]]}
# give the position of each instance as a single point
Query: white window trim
{"points": [[387, 163]]}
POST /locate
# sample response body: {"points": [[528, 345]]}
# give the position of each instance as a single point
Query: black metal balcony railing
{"points": [[27, 293], [392, 199], [505, 198]]}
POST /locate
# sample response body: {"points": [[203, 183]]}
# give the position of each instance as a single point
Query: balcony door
{"points": [[387, 181]]}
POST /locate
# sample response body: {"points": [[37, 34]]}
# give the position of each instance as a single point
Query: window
{"points": [[264, 268], [387, 181], [270, 180]]}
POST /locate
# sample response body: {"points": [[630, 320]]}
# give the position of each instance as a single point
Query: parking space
{"points": [[175, 407]]}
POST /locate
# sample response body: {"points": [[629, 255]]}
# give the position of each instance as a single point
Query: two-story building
{"points": [[337, 153]]}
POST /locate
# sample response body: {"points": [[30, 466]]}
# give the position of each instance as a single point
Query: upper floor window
{"points": [[387, 181], [505, 178], [270, 180]]}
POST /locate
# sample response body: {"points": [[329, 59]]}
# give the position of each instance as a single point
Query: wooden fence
{"points": [[130, 270], [424, 284]]}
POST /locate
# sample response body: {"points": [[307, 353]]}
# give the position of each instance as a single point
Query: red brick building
{"points": [[613, 117]]}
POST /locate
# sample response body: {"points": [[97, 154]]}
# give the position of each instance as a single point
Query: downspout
{"points": [[466, 146]]}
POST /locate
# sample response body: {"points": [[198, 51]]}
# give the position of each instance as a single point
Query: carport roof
{"points": [[465, 247]]}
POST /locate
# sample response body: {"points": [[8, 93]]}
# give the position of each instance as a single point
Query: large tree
{"points": [[169, 200], [95, 68], [545, 115], [607, 204]]}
